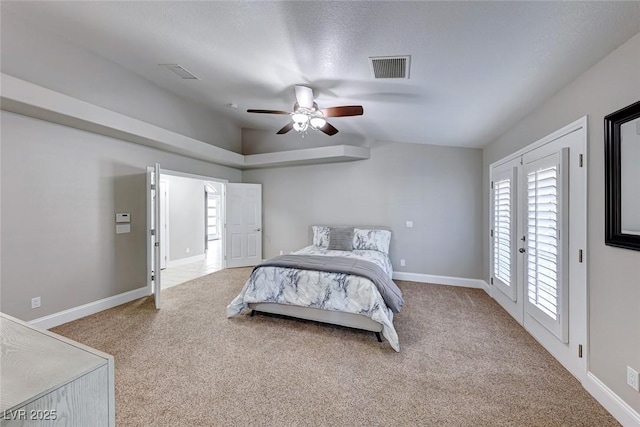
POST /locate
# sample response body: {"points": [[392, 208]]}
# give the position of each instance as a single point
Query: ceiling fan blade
{"points": [[328, 129], [347, 110], [286, 128], [267, 111], [304, 95]]}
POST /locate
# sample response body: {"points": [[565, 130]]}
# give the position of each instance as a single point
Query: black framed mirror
{"points": [[622, 177]]}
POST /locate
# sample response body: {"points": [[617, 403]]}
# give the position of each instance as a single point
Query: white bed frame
{"points": [[350, 320]]}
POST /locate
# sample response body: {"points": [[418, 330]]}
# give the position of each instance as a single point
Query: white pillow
{"points": [[321, 235], [371, 240]]}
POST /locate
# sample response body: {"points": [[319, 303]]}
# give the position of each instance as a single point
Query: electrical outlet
{"points": [[281, 252], [188, 250], [35, 302], [402, 263], [408, 224], [633, 379]]}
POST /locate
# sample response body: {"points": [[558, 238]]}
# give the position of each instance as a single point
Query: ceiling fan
{"points": [[306, 114]]}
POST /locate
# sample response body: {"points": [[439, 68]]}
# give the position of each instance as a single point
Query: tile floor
{"points": [[212, 262]]}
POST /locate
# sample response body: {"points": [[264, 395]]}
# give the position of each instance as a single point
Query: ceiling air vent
{"points": [[390, 67], [180, 71]]}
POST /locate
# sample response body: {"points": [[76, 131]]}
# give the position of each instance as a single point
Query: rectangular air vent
{"points": [[180, 71], [390, 67]]}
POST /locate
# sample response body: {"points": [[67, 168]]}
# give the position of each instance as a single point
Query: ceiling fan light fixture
{"points": [[300, 118], [318, 122], [300, 127]]}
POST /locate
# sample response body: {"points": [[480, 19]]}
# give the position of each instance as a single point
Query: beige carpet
{"points": [[463, 362]]}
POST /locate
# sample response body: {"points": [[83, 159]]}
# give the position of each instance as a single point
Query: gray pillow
{"points": [[341, 239]]}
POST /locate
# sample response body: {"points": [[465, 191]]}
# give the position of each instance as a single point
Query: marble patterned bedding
{"points": [[323, 290]]}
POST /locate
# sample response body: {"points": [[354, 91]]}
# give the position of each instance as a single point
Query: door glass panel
{"points": [[542, 237], [502, 231], [212, 216]]}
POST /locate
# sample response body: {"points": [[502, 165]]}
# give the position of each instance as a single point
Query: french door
{"points": [[538, 242], [504, 232]]}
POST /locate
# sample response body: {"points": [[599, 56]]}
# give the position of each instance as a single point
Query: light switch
{"points": [[123, 217], [123, 228], [409, 224]]}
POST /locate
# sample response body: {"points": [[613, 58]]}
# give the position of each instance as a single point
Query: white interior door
{"points": [[243, 225], [546, 259], [155, 233]]}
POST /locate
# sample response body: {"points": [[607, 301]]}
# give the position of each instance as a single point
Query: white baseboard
{"points": [[443, 280], [621, 411], [487, 288], [185, 261], [71, 314]]}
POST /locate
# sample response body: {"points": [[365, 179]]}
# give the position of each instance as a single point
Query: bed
{"points": [[343, 278]]}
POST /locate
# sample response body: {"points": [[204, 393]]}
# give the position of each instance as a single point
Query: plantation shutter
{"points": [[545, 283], [543, 239], [503, 230]]}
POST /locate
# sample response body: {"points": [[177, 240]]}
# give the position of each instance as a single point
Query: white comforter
{"points": [[318, 289]]}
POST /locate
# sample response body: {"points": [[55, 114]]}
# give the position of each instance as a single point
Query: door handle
{"points": [[521, 250], [258, 229]]}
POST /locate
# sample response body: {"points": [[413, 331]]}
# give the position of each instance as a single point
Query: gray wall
{"points": [[258, 141], [614, 274], [78, 72], [186, 217], [60, 190], [437, 188]]}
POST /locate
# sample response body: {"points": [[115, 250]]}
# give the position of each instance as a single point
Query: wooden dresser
{"points": [[49, 380]]}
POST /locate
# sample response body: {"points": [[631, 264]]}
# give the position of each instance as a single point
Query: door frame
{"points": [[579, 125], [149, 211], [222, 200]]}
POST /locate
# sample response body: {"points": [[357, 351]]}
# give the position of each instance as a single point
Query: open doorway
{"points": [[192, 228], [239, 207]]}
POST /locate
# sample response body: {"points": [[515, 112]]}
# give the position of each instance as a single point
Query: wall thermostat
{"points": [[123, 217]]}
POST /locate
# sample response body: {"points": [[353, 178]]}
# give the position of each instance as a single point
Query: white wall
{"points": [[61, 188], [258, 141], [437, 188], [614, 273], [186, 217], [73, 70]]}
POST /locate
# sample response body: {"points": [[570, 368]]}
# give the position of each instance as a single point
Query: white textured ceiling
{"points": [[476, 67]]}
